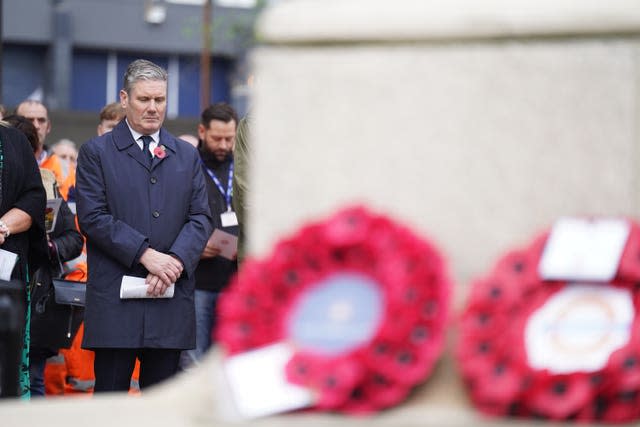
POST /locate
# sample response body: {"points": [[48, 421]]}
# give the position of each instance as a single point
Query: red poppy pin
{"points": [[159, 152]]}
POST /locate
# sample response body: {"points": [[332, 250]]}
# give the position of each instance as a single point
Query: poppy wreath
{"points": [[492, 356], [408, 339]]}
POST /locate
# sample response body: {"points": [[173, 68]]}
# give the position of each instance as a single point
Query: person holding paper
{"points": [[22, 230], [53, 326], [142, 205], [217, 132]]}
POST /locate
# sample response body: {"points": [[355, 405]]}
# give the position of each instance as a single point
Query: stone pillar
{"points": [[478, 124]]}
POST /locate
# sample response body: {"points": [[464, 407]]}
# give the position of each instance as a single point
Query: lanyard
{"points": [[216, 181]]}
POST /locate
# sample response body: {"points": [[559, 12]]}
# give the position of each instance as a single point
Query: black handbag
{"points": [[69, 292], [57, 312]]}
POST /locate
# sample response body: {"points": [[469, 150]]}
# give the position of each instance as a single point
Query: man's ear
{"points": [[124, 97]]}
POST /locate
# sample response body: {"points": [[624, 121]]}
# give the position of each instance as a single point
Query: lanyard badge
{"points": [[228, 218]]}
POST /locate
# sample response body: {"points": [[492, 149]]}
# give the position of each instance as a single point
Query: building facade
{"points": [[72, 53]]}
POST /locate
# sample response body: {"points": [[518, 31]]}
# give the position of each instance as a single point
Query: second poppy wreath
{"points": [[558, 348], [361, 300]]}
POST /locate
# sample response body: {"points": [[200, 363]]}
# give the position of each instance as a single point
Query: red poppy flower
{"points": [[160, 152], [560, 396], [503, 383], [519, 267], [407, 272], [378, 391], [623, 408], [333, 379], [625, 363]]}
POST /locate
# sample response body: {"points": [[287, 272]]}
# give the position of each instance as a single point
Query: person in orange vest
{"points": [[38, 114], [66, 150], [62, 162]]}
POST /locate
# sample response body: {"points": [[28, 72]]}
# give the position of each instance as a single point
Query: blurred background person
{"points": [[191, 139], [110, 116], [217, 133], [66, 150], [3, 111], [242, 162], [22, 229], [26, 127], [38, 114], [62, 162]]}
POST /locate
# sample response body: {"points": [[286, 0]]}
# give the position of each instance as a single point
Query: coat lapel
{"points": [[125, 142], [168, 145]]}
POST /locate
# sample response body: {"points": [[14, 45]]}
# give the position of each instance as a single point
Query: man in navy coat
{"points": [[142, 205]]}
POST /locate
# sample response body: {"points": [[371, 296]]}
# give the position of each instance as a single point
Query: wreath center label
{"points": [[338, 314], [578, 328]]}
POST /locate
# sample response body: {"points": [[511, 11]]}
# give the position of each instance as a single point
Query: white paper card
{"points": [[229, 219], [258, 383], [580, 249], [578, 328], [135, 287], [226, 242], [7, 263], [51, 213]]}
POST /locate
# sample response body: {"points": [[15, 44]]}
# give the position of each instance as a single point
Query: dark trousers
{"points": [[37, 360], [113, 367]]}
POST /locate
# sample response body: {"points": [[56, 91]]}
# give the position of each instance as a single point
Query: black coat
{"points": [[50, 322], [22, 188], [214, 274]]}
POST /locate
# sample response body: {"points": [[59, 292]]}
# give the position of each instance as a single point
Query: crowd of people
{"points": [[134, 203]]}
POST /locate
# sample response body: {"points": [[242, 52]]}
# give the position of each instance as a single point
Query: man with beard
{"points": [[217, 132]]}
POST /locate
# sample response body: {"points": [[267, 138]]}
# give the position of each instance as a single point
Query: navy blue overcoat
{"points": [[124, 206]]}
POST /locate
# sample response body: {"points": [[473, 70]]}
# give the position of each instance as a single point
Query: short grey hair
{"points": [[66, 142], [141, 69]]}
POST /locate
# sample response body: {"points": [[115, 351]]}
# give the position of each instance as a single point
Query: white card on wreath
{"points": [[258, 385], [578, 328], [583, 249]]}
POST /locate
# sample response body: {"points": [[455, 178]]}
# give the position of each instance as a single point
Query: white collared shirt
{"points": [[152, 145]]}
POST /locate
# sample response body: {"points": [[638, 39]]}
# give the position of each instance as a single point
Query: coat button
{"points": [[156, 214], [154, 179]]}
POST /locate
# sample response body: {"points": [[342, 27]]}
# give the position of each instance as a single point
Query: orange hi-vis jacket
{"points": [[64, 171]]}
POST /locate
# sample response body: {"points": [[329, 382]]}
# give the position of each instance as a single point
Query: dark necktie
{"points": [[146, 140]]}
